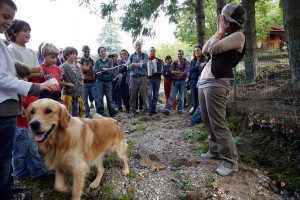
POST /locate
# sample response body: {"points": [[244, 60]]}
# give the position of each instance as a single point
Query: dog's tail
{"points": [[98, 116]]}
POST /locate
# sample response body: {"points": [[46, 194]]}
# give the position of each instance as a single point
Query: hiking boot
{"points": [[166, 112], [208, 155], [21, 188], [22, 196], [225, 171]]}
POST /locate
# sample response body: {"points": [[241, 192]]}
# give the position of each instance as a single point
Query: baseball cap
{"points": [[235, 13], [85, 48]]}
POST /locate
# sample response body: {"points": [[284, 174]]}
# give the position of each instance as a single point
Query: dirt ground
{"points": [[164, 164], [168, 166]]}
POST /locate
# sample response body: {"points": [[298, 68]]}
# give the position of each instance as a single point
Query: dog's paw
{"points": [[65, 189], [94, 185], [125, 171]]}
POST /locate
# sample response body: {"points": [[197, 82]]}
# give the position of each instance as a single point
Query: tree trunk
{"points": [[291, 15], [200, 22], [220, 5], [251, 48]]}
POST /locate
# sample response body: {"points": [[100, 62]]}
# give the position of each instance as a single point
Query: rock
{"points": [[153, 157], [137, 156], [213, 185], [181, 161]]}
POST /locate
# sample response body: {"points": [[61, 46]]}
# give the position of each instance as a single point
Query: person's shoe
{"points": [[166, 112], [208, 155], [21, 188], [225, 171], [132, 114], [92, 105], [22, 196], [180, 112], [153, 112], [45, 176]]}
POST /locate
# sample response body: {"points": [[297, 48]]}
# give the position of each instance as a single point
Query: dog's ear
{"points": [[65, 117]]}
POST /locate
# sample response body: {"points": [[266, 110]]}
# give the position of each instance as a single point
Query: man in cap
{"points": [[89, 85]]}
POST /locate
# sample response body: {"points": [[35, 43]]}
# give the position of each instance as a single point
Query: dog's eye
{"points": [[32, 112], [48, 111]]}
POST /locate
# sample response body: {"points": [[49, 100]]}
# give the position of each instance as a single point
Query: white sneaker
{"points": [[225, 171], [208, 155]]}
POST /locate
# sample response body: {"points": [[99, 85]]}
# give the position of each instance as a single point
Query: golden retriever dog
{"points": [[72, 144]]}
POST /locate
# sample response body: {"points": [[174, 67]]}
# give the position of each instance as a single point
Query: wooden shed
{"points": [[275, 39]]}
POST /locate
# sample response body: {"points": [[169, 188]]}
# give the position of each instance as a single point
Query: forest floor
{"points": [[165, 164]]}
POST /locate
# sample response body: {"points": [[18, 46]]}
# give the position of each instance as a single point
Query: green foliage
{"points": [[141, 128], [267, 13], [132, 175], [186, 29], [130, 146], [164, 49], [110, 38], [139, 16], [183, 182]]}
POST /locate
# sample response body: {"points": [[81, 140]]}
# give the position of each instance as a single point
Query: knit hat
{"points": [[235, 13], [85, 48]]}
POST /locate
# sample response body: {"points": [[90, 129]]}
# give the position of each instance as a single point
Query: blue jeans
{"points": [[90, 89], [26, 159], [194, 90], [196, 117], [105, 88], [153, 89], [177, 86], [7, 134]]}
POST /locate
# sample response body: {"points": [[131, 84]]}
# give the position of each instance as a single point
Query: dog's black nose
{"points": [[35, 125]]}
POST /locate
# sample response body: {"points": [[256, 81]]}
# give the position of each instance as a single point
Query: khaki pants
{"points": [[138, 84], [213, 107]]}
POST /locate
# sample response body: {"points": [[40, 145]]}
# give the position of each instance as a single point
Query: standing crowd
{"points": [[131, 82]]}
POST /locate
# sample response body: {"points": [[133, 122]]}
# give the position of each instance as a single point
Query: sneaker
{"points": [[208, 155], [166, 112], [92, 105], [22, 196], [180, 112], [225, 171], [45, 176]]}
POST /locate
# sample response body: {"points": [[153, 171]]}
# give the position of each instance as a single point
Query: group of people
{"points": [[133, 81]]}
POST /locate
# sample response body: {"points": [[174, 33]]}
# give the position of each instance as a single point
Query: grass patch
{"points": [[183, 182], [141, 128], [130, 146]]}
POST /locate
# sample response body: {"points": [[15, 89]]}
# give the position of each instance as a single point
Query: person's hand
{"points": [[105, 69], [48, 86], [223, 24]]}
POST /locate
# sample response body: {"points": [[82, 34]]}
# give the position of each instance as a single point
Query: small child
{"points": [[19, 34], [51, 71], [26, 159], [72, 79]]}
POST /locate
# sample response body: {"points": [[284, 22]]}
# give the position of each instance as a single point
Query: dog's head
{"points": [[46, 115]]}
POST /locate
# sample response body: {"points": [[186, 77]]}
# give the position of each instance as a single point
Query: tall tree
{"points": [[200, 22], [291, 14], [250, 34], [110, 38]]}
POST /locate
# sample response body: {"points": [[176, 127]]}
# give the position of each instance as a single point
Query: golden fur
{"points": [[71, 144]]}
